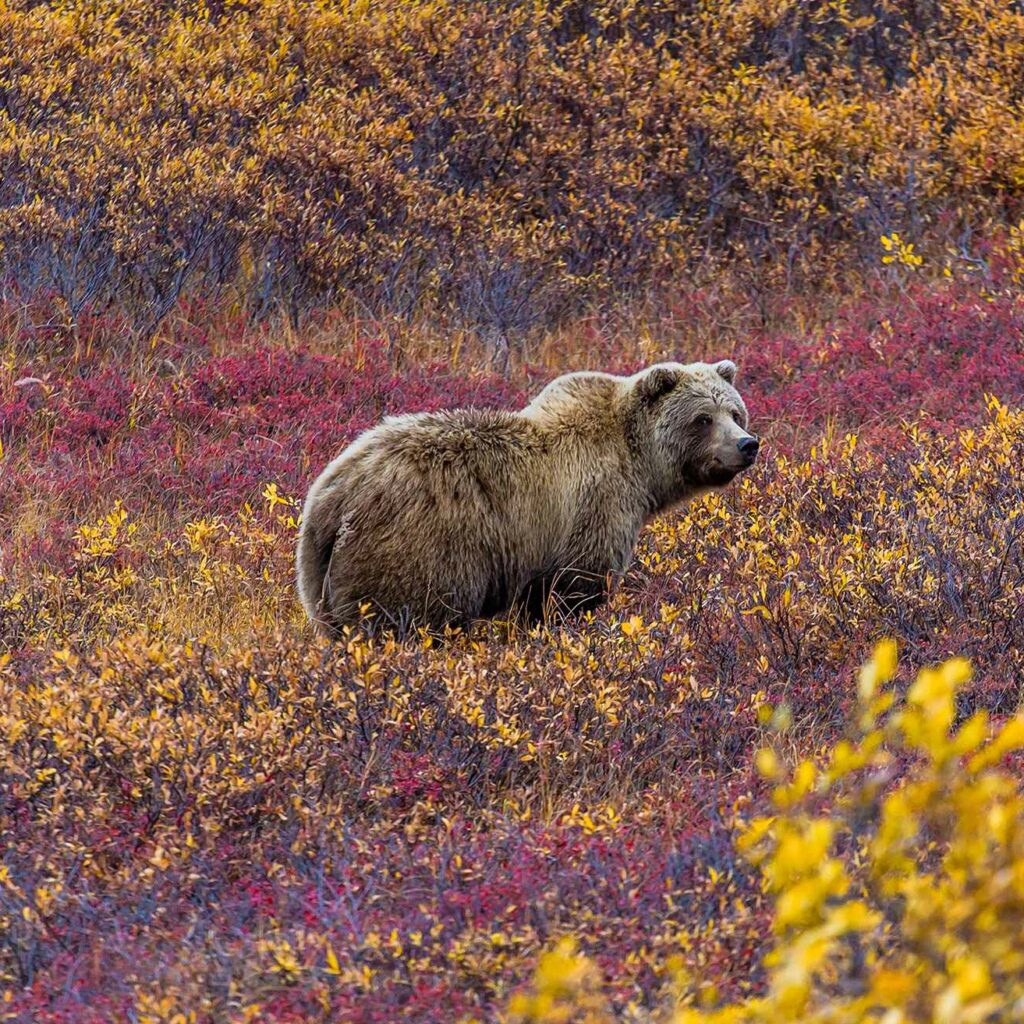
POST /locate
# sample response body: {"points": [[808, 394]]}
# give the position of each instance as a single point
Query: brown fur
{"points": [[442, 518]]}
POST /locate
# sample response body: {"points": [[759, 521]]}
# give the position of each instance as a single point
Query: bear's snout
{"points": [[748, 449]]}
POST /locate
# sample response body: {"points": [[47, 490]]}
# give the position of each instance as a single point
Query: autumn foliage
{"points": [[923, 927], [233, 235], [500, 164], [211, 816]]}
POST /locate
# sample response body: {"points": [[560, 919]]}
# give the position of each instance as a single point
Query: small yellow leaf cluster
{"points": [[566, 989], [899, 251]]}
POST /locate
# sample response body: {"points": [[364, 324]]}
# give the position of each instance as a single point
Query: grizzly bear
{"points": [[437, 519]]}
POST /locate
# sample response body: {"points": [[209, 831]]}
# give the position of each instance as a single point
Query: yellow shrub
{"points": [[899, 896]]}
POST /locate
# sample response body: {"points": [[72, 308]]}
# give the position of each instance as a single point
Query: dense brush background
{"points": [[235, 234]]}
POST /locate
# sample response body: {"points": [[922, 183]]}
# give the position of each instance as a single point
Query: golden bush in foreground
{"points": [[895, 901]]}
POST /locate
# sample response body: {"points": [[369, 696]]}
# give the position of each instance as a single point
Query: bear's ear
{"points": [[726, 369], [657, 382]]}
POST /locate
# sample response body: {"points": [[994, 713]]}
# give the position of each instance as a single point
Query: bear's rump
{"points": [[436, 541]]}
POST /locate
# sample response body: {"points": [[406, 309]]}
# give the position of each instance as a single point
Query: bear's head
{"points": [[692, 425]]}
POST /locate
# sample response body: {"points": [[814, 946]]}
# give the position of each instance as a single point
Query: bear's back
{"points": [[459, 436], [584, 401]]}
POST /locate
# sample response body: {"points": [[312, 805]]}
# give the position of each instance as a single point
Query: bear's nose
{"points": [[748, 448]]}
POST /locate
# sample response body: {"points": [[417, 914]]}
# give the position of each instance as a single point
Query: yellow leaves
{"points": [[754, 833], [333, 967], [971, 734], [604, 818], [565, 988], [899, 251], [104, 538], [274, 498], [795, 791], [878, 671], [767, 763], [936, 870], [633, 627], [799, 848], [157, 1008], [846, 758], [474, 716], [1000, 412], [968, 999], [934, 687], [1010, 737], [926, 722], [892, 987], [283, 959], [200, 532], [801, 903]]}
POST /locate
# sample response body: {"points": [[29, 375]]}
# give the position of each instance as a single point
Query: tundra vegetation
{"points": [[776, 778]]}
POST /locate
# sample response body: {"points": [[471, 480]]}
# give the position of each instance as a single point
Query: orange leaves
{"points": [[505, 162]]}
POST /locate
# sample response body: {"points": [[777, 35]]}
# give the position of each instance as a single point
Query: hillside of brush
{"points": [[500, 164], [235, 234], [209, 811]]}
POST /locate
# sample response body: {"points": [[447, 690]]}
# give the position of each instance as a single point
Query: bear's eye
{"points": [[737, 417], [702, 421]]}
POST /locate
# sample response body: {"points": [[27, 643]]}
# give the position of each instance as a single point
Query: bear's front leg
{"points": [[563, 592]]}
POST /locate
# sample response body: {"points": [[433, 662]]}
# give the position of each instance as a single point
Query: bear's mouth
{"points": [[715, 474], [719, 475]]}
